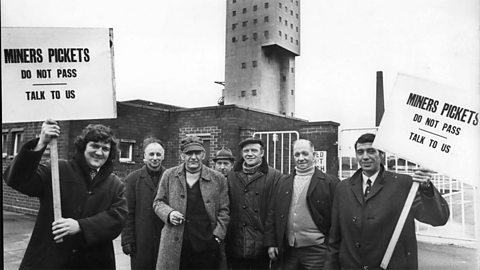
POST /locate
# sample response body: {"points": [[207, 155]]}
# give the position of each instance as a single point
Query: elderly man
{"points": [[251, 185], [367, 207], [141, 235], [93, 202], [192, 201], [299, 215], [224, 160]]}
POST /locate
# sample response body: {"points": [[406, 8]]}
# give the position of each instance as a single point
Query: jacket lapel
{"points": [[181, 176], [146, 178], [356, 186], [377, 186], [316, 178]]}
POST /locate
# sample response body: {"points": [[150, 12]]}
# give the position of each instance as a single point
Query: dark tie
{"points": [[369, 186], [93, 172]]}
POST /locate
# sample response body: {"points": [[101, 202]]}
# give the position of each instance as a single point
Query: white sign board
{"points": [[58, 73], [321, 160], [434, 126]]}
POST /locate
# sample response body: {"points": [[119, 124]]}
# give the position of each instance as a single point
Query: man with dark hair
{"points": [[298, 220], [92, 200], [192, 201], [251, 185], [366, 209], [141, 235], [224, 160]]}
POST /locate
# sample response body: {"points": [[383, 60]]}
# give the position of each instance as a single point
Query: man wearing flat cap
{"points": [[251, 185], [224, 160], [192, 201]]}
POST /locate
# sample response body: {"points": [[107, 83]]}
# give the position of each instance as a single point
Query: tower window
{"points": [[255, 21], [284, 78], [291, 12], [243, 93], [244, 65], [234, 1], [234, 13], [244, 24], [280, 19], [280, 33], [266, 5], [296, 3], [296, 41], [244, 10], [286, 36], [266, 34], [234, 39], [291, 39], [254, 63], [286, 23], [292, 70], [255, 8], [296, 28], [286, 9], [265, 19], [291, 25], [234, 26], [292, 92], [280, 5], [254, 92], [254, 36], [296, 15], [244, 37]]}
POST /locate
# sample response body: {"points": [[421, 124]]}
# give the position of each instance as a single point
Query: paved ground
{"points": [[17, 229]]}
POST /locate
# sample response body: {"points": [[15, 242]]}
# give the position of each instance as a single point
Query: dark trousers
{"points": [[207, 259], [312, 257], [248, 264]]}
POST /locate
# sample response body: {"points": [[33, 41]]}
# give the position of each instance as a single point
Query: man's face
{"points": [[96, 154], [369, 158], [303, 155], [223, 166], [153, 156], [252, 154], [193, 159]]}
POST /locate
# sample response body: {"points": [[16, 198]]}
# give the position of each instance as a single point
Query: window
{"points": [[291, 39], [265, 19], [296, 28], [296, 3], [286, 36], [234, 1], [254, 63], [291, 25], [244, 37], [266, 34], [296, 41], [234, 13], [234, 26], [291, 12], [280, 18], [280, 5], [286, 9], [4, 144], [266, 5], [280, 33], [254, 36], [254, 92], [286, 23], [243, 93], [284, 78], [244, 65], [296, 15], [292, 70], [255, 21], [244, 10], [17, 140], [255, 8], [126, 150], [234, 39], [292, 92], [244, 24]]}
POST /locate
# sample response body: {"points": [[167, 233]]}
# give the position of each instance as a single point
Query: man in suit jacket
{"points": [[298, 218], [141, 234], [367, 207]]}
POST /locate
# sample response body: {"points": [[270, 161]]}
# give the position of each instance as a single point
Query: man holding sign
{"points": [[367, 206], [93, 204]]}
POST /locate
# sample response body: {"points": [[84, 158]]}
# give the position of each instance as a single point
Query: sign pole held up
{"points": [[57, 207], [399, 226]]}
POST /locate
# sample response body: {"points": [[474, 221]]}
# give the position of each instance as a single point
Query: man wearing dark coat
{"points": [[366, 209], [251, 185], [93, 204], [141, 234], [298, 220]]}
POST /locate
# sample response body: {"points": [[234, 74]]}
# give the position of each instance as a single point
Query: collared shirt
{"points": [[372, 178]]}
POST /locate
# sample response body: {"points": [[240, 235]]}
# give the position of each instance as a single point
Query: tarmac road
{"points": [[18, 227]]}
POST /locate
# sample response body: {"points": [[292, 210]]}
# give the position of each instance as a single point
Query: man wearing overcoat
{"points": [[192, 201], [141, 234], [367, 207]]}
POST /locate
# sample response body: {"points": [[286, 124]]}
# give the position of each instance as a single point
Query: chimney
{"points": [[380, 108]]}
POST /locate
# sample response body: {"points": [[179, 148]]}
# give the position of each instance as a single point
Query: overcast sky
{"points": [[172, 51]]}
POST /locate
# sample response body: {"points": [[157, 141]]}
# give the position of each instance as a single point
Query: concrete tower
{"points": [[262, 40]]}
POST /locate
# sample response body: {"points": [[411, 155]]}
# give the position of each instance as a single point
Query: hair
{"points": [[367, 138], [97, 133], [304, 140], [149, 140]]}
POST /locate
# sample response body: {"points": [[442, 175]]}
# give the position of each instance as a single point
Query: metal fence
{"points": [[278, 148]]}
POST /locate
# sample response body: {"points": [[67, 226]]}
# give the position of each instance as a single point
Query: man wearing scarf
{"points": [[251, 184], [141, 235], [299, 216]]}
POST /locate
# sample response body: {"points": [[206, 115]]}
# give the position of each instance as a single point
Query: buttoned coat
{"points": [[319, 201], [172, 195], [142, 227], [362, 228], [99, 206]]}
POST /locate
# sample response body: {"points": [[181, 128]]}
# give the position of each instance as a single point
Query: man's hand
{"points": [[176, 218], [273, 253], [63, 227], [129, 249], [423, 176], [50, 129]]}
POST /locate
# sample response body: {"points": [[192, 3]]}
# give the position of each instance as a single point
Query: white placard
{"points": [[433, 125], [58, 73]]}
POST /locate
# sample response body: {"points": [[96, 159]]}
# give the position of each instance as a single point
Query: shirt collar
{"points": [[372, 178]]}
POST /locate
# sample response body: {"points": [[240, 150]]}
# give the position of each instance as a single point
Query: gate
{"points": [[278, 148], [462, 226]]}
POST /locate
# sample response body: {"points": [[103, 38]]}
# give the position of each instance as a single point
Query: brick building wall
{"points": [[219, 126]]}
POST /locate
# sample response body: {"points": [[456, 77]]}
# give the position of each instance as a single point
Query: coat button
{"points": [[244, 224], [357, 244], [256, 210], [244, 206], [182, 196], [256, 193], [354, 219], [74, 250], [281, 216], [245, 190], [365, 267]]}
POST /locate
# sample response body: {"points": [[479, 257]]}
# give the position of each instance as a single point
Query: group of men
{"points": [[243, 214]]}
